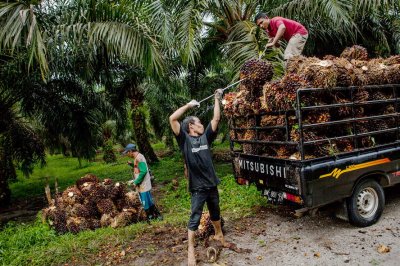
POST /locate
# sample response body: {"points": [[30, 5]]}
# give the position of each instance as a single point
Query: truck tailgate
{"points": [[268, 173]]}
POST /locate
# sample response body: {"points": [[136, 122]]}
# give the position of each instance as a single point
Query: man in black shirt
{"points": [[194, 143]]}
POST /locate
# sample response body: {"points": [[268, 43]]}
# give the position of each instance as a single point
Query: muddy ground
{"points": [[275, 237]]}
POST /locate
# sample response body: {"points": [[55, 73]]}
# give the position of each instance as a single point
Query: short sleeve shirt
{"points": [[292, 27], [196, 151]]}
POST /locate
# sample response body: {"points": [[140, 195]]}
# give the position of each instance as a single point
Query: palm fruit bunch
{"points": [[107, 206], [290, 83], [250, 148], [393, 69], [297, 64], [356, 52], [89, 178], [132, 199], [257, 73], [376, 72], [322, 74], [345, 72], [206, 227], [237, 134], [393, 60], [79, 210], [118, 191], [238, 104], [317, 117], [228, 103], [91, 204], [341, 111], [77, 224], [270, 89], [122, 219], [308, 135], [272, 135], [344, 145], [272, 120], [393, 74], [361, 73], [56, 217], [71, 196], [361, 95], [367, 142], [283, 151], [282, 95]]}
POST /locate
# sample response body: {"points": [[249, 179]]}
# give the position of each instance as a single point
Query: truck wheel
{"points": [[365, 206]]}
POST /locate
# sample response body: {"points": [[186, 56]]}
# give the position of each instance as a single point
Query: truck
{"points": [[354, 176]]}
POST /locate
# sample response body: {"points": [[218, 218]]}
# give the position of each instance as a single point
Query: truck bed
{"points": [[317, 180]]}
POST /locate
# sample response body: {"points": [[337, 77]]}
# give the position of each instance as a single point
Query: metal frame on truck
{"points": [[355, 176]]}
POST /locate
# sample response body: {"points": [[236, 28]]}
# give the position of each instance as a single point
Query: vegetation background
{"points": [[79, 79]]}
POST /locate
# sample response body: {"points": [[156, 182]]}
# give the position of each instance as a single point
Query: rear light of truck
{"points": [[242, 181], [293, 198]]}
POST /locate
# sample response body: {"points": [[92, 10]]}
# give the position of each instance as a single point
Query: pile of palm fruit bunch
{"points": [[254, 73], [92, 203], [260, 103]]}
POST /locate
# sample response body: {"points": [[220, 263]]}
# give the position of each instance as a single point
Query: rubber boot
{"points": [[156, 213], [149, 215]]}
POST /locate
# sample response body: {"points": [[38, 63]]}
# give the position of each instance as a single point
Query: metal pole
{"points": [[233, 84]]}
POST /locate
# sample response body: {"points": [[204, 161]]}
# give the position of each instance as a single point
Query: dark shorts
{"points": [[209, 196]]}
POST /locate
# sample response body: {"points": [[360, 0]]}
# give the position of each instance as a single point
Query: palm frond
{"points": [[190, 23], [19, 30], [131, 42]]}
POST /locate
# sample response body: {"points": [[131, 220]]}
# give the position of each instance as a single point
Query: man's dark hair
{"points": [[188, 120], [260, 15]]}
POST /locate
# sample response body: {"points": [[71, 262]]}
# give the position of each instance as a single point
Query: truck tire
{"points": [[366, 205]]}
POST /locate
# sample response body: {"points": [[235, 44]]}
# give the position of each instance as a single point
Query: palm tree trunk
{"points": [[7, 171], [169, 141], [140, 132]]}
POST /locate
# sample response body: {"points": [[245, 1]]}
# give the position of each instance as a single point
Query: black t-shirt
{"points": [[198, 158]]}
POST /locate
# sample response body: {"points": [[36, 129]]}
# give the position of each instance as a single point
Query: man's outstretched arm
{"points": [[173, 119], [217, 110]]}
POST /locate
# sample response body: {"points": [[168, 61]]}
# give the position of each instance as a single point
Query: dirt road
{"points": [[277, 238]]}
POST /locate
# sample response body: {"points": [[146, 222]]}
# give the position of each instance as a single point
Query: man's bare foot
{"points": [[191, 258], [219, 238]]}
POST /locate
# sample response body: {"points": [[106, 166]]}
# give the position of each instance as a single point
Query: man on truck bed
{"points": [[277, 28], [194, 143]]}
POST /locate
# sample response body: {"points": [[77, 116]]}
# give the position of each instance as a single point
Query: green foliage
{"points": [[37, 244], [235, 200], [108, 152], [66, 170]]}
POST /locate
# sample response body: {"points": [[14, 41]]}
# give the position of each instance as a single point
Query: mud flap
{"points": [[341, 212]]}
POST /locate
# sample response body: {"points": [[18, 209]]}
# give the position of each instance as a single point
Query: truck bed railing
{"points": [[352, 122]]}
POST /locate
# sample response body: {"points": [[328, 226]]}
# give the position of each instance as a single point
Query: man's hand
{"points": [[269, 45], [193, 103], [218, 93]]}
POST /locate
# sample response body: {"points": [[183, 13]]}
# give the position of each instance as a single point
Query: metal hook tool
{"points": [[227, 87]]}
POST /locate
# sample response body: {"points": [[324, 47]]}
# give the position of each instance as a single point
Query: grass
{"points": [[66, 170], [37, 244]]}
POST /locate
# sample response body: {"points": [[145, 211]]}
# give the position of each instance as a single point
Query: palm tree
{"points": [[330, 22], [18, 144], [95, 34]]}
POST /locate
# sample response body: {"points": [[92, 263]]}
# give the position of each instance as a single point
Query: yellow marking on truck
{"points": [[261, 181], [336, 173]]}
